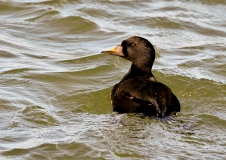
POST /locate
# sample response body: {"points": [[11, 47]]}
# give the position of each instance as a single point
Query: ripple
{"points": [[38, 116], [5, 54], [71, 25], [45, 16], [16, 71]]}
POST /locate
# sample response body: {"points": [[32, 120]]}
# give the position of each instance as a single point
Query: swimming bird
{"points": [[138, 91]]}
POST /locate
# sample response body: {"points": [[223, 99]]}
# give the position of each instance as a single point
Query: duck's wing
{"points": [[174, 105]]}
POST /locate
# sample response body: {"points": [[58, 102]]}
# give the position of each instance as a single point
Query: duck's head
{"points": [[136, 49]]}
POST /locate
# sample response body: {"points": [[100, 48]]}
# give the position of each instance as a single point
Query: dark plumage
{"points": [[138, 91]]}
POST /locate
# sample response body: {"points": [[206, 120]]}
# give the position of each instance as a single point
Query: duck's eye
{"points": [[133, 44]]}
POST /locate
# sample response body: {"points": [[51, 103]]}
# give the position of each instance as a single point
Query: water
{"points": [[55, 84]]}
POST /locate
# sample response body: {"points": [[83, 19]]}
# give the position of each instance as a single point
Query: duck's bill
{"points": [[117, 51]]}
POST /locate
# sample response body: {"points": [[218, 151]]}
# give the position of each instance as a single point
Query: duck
{"points": [[139, 91]]}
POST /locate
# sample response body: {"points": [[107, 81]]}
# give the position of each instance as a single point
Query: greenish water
{"points": [[55, 84]]}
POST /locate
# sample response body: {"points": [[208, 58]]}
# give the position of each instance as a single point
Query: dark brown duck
{"points": [[138, 91]]}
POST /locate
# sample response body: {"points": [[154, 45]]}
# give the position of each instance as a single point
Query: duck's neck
{"points": [[142, 72]]}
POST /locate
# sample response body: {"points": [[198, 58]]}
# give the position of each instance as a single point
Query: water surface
{"points": [[55, 84]]}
